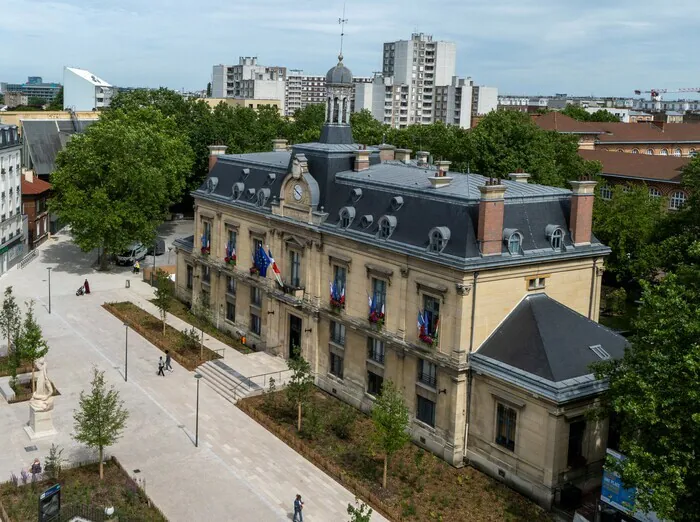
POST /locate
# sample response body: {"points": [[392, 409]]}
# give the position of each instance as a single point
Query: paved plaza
{"points": [[239, 471]]}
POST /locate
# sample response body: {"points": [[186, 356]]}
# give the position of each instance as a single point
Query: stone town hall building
{"points": [[504, 274]]}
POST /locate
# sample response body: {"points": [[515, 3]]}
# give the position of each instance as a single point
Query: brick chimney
{"points": [[386, 152], [279, 145], [443, 165], [519, 176], [214, 152], [490, 226], [361, 160], [581, 218], [422, 158], [403, 155]]}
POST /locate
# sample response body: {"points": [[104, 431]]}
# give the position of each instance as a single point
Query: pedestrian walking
{"points": [[86, 286], [160, 366], [167, 361], [298, 507], [137, 267]]}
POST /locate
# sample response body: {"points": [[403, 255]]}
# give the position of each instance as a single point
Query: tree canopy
{"points": [[115, 182], [57, 103], [579, 113]]}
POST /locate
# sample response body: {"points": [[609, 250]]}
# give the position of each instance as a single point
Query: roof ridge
{"points": [[529, 298]]}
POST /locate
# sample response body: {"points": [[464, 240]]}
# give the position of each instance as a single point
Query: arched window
{"points": [[329, 112], [514, 240], [654, 192], [620, 150], [664, 152], [692, 153], [606, 192], [438, 238], [347, 214], [387, 224], [650, 152], [677, 200], [678, 153], [345, 110], [336, 109], [555, 235], [635, 151], [263, 196]]}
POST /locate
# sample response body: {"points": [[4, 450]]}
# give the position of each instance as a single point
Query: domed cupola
{"points": [[339, 75], [339, 88]]}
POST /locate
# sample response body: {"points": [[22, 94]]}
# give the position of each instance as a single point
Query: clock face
{"points": [[298, 192]]}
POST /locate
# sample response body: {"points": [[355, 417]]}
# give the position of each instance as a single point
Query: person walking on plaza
{"points": [[167, 361], [160, 366], [86, 286], [137, 267], [298, 507]]}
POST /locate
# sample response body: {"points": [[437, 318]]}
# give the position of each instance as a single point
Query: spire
{"points": [[342, 21]]}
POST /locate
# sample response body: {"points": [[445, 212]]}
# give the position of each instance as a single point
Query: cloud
{"points": [[525, 46]]}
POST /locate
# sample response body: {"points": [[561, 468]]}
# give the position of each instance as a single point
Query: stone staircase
{"points": [[227, 382]]}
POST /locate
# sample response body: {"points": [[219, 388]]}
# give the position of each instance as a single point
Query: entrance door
{"points": [[294, 335]]}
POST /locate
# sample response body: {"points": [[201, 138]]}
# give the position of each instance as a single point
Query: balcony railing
{"points": [[427, 379]]}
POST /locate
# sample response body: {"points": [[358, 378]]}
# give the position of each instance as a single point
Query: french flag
{"points": [[275, 268]]}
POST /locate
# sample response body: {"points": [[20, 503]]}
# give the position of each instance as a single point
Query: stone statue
{"points": [[42, 399]]}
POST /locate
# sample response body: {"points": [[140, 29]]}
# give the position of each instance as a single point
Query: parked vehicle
{"points": [[158, 245], [135, 252]]}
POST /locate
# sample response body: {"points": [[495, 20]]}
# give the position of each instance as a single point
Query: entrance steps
{"points": [[232, 385]]}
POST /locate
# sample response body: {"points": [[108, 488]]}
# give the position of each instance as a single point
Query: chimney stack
{"points": [[422, 158], [519, 176], [28, 175], [403, 155], [443, 165], [581, 218], [214, 152], [279, 145], [386, 152], [361, 160], [490, 226]]}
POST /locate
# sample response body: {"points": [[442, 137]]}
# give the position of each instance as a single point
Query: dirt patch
{"points": [[181, 349], [5, 371], [420, 486]]}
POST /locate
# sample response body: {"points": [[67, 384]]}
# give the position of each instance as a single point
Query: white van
{"points": [[131, 254]]}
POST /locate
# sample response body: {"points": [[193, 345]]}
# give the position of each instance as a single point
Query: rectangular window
{"points": [[575, 458], [190, 277], [255, 323], [257, 244], [230, 285], [427, 372], [206, 274], [294, 268], [375, 350], [505, 426], [536, 283], [379, 293], [255, 296], [336, 365], [205, 299], [374, 383], [231, 242], [431, 308], [338, 333], [340, 275], [206, 233], [425, 411], [230, 311]]}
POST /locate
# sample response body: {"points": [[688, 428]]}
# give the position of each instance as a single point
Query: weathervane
{"points": [[342, 21]]}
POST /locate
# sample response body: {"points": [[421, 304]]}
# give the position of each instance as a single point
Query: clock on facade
{"points": [[298, 192]]}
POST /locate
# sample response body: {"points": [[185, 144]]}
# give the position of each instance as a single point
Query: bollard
{"points": [[128, 284]]}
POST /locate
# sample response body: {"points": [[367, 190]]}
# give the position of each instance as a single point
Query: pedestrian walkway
{"points": [[239, 472]]}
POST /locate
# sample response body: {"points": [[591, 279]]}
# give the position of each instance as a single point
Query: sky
{"points": [[520, 46]]}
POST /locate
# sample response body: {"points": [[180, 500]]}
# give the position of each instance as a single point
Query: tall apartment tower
{"points": [[249, 79], [421, 64]]}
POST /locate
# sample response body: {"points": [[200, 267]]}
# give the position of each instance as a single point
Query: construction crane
{"points": [[656, 93]]}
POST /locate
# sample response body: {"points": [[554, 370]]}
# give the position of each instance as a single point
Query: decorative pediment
{"points": [[295, 242]]}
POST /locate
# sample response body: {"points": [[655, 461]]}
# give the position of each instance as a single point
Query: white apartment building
{"points": [[249, 80], [83, 91], [11, 225], [302, 90]]}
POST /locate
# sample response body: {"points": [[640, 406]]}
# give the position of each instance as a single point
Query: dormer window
{"points": [[366, 221], [514, 240], [356, 194], [438, 238], [250, 193], [211, 184], [396, 203], [237, 190], [555, 235], [347, 214], [387, 224], [245, 173], [263, 196]]}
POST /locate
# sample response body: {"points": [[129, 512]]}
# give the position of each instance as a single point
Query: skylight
{"points": [[600, 352]]}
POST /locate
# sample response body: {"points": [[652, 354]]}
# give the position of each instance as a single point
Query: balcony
{"points": [[427, 379]]}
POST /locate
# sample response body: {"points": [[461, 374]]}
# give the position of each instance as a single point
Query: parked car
{"points": [[131, 254], [158, 245]]}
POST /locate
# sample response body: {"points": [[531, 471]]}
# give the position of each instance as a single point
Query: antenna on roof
{"points": [[468, 181], [342, 21]]}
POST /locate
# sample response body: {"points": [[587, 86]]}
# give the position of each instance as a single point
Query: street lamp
{"points": [[197, 376], [126, 352], [49, 269], [169, 249]]}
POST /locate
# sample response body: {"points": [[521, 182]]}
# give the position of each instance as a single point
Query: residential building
{"points": [[18, 117], [34, 87], [505, 277], [669, 116], [640, 117], [11, 224], [15, 99], [83, 91], [35, 194], [302, 90], [250, 80]]}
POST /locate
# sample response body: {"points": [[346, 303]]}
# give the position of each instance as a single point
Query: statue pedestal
{"points": [[40, 424]]}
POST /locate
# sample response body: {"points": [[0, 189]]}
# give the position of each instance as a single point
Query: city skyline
{"points": [[520, 47]]}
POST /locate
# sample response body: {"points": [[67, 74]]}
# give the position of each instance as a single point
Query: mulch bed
{"points": [[151, 328], [81, 486], [420, 486]]}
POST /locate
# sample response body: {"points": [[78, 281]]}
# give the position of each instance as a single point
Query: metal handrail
{"points": [[264, 375]]}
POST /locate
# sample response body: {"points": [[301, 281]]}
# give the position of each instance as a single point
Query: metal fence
{"points": [[28, 258]]}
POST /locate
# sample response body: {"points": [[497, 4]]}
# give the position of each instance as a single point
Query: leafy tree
{"points": [[576, 112], [57, 103], [2, 98], [366, 129], [360, 512], [30, 342], [10, 318], [209, 90], [627, 223], [604, 116], [301, 383], [164, 294], [101, 419], [115, 182], [307, 123], [53, 465], [655, 391], [390, 417], [35, 101]]}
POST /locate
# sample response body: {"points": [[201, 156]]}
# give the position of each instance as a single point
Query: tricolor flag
{"points": [[275, 268]]}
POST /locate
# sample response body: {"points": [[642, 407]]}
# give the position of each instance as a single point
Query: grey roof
{"points": [[44, 139], [339, 75], [549, 340]]}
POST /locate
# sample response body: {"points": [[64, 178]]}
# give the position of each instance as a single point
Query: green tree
{"points": [[390, 417], [576, 112], [301, 383], [627, 223], [655, 391], [306, 124], [2, 98], [360, 512], [209, 90], [604, 116], [53, 465], [10, 318], [57, 103], [30, 341], [101, 418], [163, 294], [35, 101], [115, 182], [366, 129]]}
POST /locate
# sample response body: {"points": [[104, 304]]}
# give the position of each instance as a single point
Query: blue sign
{"points": [[50, 504], [619, 497]]}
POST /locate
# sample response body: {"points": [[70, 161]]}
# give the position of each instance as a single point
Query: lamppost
{"points": [[153, 272], [126, 352], [49, 269], [169, 249], [197, 376]]}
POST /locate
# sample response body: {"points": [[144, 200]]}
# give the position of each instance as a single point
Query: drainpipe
{"points": [[469, 370], [592, 297], [471, 334]]}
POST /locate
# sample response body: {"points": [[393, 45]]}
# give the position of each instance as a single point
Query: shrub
{"points": [[269, 405], [54, 463], [343, 422], [190, 339], [313, 425], [615, 301]]}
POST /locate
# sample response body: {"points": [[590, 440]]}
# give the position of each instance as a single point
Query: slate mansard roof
{"points": [[530, 209], [44, 139]]}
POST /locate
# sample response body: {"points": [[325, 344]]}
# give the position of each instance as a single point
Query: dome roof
{"points": [[339, 75]]}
